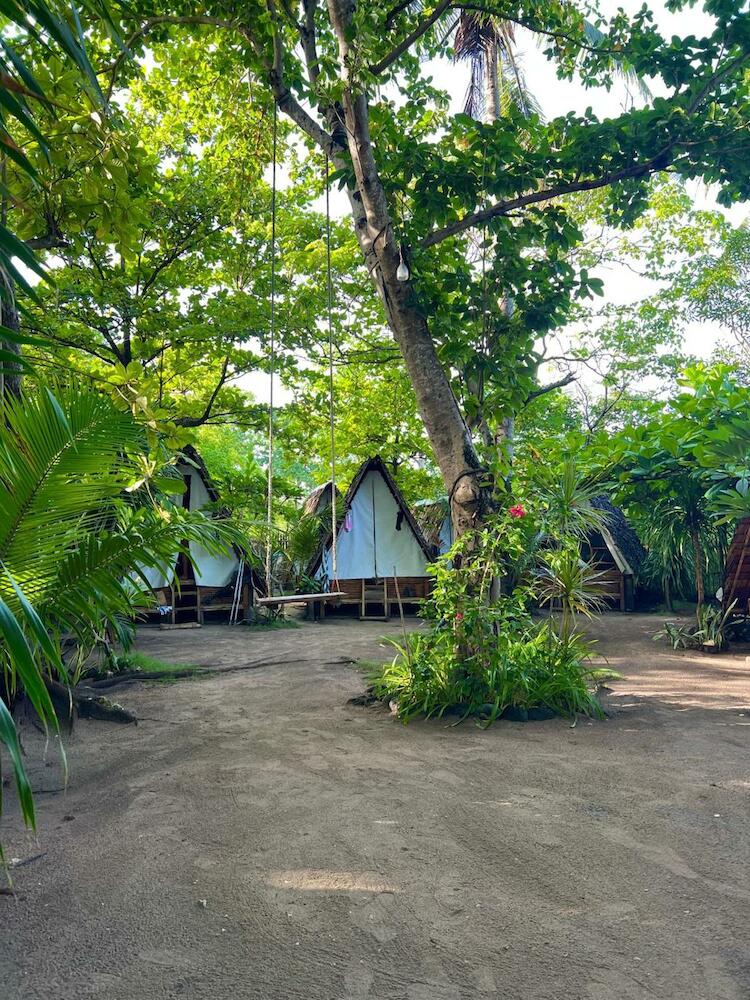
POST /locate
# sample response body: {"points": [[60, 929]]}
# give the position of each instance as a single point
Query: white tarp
{"points": [[157, 577], [369, 544], [210, 570], [445, 535]]}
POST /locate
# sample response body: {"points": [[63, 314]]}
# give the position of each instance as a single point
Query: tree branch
{"points": [[421, 28], [50, 241], [534, 197], [197, 421], [284, 98], [542, 390], [656, 163]]}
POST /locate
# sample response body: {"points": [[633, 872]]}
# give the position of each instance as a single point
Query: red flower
{"points": [[517, 511], [459, 616]]}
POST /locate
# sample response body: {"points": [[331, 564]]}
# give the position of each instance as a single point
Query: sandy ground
{"points": [[257, 837]]}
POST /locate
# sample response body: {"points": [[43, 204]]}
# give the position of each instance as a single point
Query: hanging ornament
{"points": [[402, 271]]}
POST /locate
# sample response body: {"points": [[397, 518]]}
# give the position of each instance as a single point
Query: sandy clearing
{"points": [[342, 855]]}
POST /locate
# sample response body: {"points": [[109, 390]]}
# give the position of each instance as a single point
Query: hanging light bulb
{"points": [[402, 271]]}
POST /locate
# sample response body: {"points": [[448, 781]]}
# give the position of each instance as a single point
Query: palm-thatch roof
{"points": [[620, 537], [737, 571], [319, 500], [431, 516], [194, 458]]}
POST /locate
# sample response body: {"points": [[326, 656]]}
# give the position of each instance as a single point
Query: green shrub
{"points": [[483, 652]]}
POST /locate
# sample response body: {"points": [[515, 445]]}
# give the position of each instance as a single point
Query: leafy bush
{"points": [[711, 632], [484, 654]]}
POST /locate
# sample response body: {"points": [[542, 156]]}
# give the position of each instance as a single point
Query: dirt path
{"points": [[266, 840]]}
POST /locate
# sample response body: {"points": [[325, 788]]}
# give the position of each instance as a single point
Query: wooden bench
{"points": [[315, 602]]}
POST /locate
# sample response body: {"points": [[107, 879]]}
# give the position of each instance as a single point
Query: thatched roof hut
{"points": [[434, 518], [736, 585], [319, 500], [617, 552]]}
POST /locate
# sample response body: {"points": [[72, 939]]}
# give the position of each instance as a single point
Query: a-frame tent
{"points": [[205, 584], [381, 554]]}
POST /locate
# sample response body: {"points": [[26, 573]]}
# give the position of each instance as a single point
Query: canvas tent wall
{"points": [[381, 553], [617, 553], [207, 584]]}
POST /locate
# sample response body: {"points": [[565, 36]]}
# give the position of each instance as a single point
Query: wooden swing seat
{"points": [[274, 602]]}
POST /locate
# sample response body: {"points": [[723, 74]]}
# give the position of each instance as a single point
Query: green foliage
{"points": [[522, 668], [684, 473], [710, 634], [483, 653]]}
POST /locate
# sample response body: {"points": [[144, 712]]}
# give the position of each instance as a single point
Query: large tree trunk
{"points": [[491, 84], [700, 590], [447, 430]]}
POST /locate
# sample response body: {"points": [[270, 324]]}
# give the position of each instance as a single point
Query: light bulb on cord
{"points": [[402, 271]]}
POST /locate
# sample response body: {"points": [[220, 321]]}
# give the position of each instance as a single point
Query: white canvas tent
{"points": [[381, 554], [201, 583]]}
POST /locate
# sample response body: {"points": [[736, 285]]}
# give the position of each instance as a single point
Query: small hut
{"points": [[319, 501], [205, 583], [617, 553], [736, 586], [381, 553]]}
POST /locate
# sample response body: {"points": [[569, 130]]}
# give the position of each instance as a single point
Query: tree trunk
{"points": [[506, 431], [695, 538], [446, 428], [491, 84], [10, 376], [668, 595]]}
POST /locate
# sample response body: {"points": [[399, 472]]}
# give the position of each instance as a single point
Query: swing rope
{"points": [[333, 583], [272, 366]]}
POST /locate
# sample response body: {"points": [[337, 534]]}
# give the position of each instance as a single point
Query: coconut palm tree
{"points": [[497, 80]]}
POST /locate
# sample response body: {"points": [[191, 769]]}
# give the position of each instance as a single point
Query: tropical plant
{"points": [[567, 580], [80, 529], [711, 633], [568, 499], [55, 30], [483, 652]]}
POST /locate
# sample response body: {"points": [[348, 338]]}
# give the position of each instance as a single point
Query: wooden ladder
{"points": [[374, 594]]}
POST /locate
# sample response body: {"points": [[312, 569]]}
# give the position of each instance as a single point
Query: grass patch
{"points": [[149, 664], [142, 664]]}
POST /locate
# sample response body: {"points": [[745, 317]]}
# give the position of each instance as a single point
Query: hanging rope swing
{"points": [[333, 593]]}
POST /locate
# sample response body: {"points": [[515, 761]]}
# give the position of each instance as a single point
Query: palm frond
{"points": [[73, 549]]}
